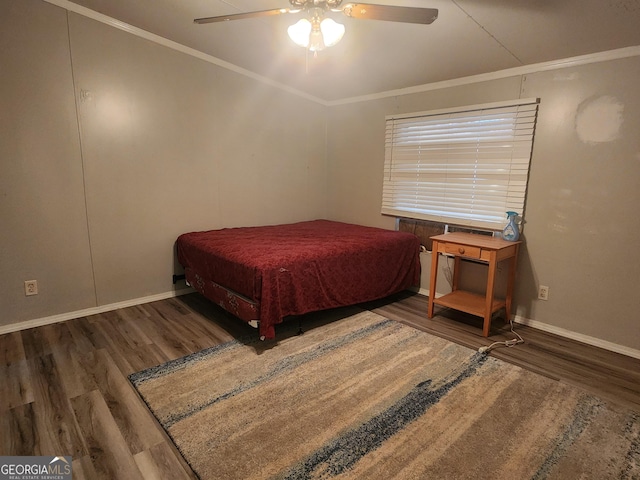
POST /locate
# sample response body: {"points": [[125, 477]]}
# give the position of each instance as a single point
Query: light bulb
{"points": [[315, 34], [332, 31], [299, 32]]}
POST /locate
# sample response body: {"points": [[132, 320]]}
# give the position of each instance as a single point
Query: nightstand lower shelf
{"points": [[468, 302]]}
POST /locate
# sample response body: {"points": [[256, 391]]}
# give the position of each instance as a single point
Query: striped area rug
{"points": [[368, 398]]}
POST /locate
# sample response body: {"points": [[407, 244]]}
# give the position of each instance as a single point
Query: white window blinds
{"points": [[465, 166]]}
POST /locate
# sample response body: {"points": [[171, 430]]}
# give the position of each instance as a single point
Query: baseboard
{"points": [[561, 332], [63, 317], [579, 337], [425, 292], [39, 322]]}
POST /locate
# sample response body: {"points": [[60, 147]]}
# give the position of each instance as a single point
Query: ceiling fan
{"points": [[319, 31]]}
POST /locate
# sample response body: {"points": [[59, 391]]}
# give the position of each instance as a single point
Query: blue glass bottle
{"points": [[511, 231]]}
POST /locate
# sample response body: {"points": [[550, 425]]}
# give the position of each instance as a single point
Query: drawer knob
{"points": [[461, 250]]}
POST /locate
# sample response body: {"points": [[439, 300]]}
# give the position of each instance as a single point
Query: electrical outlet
{"points": [[30, 287], [543, 292]]}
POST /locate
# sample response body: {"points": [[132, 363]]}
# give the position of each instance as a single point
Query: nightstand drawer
{"points": [[462, 250]]}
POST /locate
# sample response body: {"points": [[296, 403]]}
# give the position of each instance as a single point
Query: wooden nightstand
{"points": [[481, 248]]}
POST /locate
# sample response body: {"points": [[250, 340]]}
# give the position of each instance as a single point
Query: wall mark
{"points": [[599, 119]]}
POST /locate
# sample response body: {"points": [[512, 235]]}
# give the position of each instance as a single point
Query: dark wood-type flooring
{"points": [[64, 387]]}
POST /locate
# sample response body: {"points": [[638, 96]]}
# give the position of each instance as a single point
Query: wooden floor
{"points": [[64, 387]]}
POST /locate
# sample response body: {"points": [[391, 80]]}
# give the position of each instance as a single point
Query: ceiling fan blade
{"points": [[240, 16], [390, 13]]}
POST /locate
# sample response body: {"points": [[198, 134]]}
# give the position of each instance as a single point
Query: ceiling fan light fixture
{"points": [[300, 32], [332, 31], [316, 32], [316, 41]]}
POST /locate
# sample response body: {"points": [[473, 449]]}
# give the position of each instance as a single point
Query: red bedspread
{"points": [[303, 267]]}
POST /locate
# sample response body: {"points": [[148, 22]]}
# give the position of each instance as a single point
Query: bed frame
{"points": [[263, 274]]}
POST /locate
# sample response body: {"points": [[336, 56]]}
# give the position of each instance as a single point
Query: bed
{"points": [[264, 274]]}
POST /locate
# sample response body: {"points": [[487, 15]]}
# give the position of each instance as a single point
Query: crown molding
{"points": [[484, 77], [500, 74], [105, 19]]}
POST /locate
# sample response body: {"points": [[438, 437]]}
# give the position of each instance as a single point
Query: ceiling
{"points": [[470, 37]]}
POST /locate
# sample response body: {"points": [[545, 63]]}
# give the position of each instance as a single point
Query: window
{"points": [[465, 166]]}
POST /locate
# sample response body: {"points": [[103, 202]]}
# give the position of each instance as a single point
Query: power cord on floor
{"points": [[507, 343]]}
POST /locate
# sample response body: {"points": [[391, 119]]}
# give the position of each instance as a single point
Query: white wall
{"points": [[581, 232], [43, 225], [112, 145]]}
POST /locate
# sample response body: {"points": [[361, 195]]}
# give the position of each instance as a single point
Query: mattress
{"points": [[292, 269]]}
